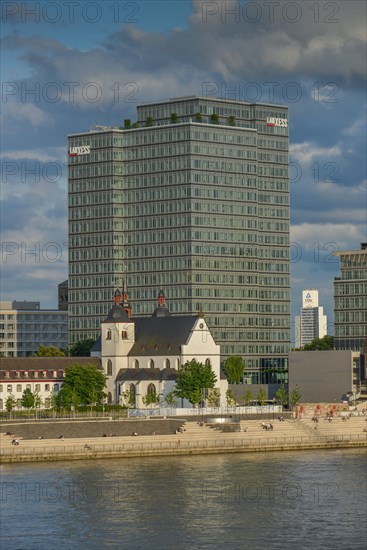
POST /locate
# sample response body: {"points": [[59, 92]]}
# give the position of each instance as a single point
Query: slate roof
{"points": [[117, 314], [48, 364], [157, 336]]}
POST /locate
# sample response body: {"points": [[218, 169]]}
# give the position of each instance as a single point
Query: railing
{"points": [[176, 445], [203, 411]]}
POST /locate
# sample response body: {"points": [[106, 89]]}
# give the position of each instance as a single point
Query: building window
{"points": [[151, 364], [151, 390], [47, 387], [109, 367], [1, 387], [167, 363], [25, 374], [124, 334], [19, 387], [177, 364], [44, 374], [36, 373], [9, 388], [17, 374], [56, 387], [37, 387], [207, 362], [1, 404], [47, 403], [28, 386], [108, 334], [136, 364]]}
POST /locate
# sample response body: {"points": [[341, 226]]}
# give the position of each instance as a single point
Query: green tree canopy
{"points": [[233, 367], [82, 348], [10, 403], [261, 396], [49, 351], [231, 398], [28, 399], [325, 343], [82, 385], [295, 396], [192, 378], [281, 396], [248, 396], [170, 399]]}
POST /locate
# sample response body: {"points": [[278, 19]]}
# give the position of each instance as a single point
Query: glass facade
{"points": [[350, 300], [196, 204]]}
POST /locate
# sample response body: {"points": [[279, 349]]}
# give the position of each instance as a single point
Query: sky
{"points": [[69, 65]]}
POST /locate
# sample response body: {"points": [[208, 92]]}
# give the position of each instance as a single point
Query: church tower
{"points": [[117, 339]]}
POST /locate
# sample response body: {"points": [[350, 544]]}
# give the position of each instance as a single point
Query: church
{"points": [[141, 357]]}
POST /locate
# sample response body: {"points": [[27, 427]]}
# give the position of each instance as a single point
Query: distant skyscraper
{"points": [[194, 196], [311, 323], [350, 300]]}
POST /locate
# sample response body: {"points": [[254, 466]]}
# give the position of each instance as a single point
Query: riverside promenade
{"points": [[247, 436]]}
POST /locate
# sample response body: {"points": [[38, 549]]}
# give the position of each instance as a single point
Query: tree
{"points": [[28, 398], [198, 117], [248, 396], [192, 379], [170, 399], [83, 384], [10, 403], [232, 120], [295, 396], [149, 121], [127, 123], [82, 348], [281, 396], [151, 398], [128, 397], [213, 397], [214, 118], [49, 351], [174, 118], [261, 396], [325, 343], [230, 397], [233, 367]]}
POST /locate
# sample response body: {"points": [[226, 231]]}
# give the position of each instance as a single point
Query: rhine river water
{"points": [[280, 500]]}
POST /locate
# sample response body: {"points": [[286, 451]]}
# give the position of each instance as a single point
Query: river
{"points": [[278, 500]]}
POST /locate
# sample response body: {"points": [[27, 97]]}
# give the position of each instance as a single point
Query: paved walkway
{"points": [[195, 439]]}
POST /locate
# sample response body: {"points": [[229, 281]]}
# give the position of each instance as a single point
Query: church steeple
{"points": [[161, 309]]}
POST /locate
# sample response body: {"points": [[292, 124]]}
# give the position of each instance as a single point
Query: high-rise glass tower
{"points": [[194, 198], [311, 323], [350, 300]]}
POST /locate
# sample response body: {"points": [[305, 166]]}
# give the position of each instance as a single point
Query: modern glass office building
{"points": [[193, 197], [350, 300], [311, 323]]}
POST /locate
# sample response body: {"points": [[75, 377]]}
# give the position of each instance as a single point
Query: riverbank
{"points": [[195, 439]]}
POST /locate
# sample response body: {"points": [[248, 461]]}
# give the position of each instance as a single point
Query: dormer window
{"points": [[25, 374], [44, 374], [124, 334], [36, 373], [7, 374], [17, 374], [108, 334], [156, 347], [55, 373]]}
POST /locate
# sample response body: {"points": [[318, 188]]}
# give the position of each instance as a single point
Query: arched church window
{"points": [[151, 389], [151, 364], [167, 363], [108, 334], [109, 367]]}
